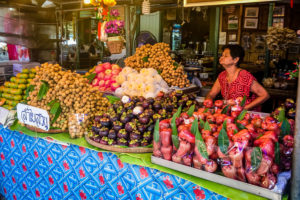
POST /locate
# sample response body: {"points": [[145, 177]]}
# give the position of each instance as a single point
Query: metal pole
{"points": [[270, 22], [216, 42], [295, 191]]}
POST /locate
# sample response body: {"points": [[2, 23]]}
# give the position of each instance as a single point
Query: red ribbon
{"points": [[292, 3], [99, 30]]}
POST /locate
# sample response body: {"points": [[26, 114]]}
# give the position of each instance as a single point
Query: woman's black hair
{"points": [[235, 51]]}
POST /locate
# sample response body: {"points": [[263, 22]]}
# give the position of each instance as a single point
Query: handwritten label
{"points": [[33, 116]]}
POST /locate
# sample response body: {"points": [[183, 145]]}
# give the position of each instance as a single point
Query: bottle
{"points": [[176, 37]]}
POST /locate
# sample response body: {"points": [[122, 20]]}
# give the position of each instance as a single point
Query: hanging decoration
{"points": [[146, 7]]}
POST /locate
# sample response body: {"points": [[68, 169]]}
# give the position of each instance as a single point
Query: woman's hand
{"points": [[262, 95], [214, 90]]}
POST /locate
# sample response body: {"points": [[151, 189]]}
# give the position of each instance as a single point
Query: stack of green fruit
{"points": [[13, 91]]}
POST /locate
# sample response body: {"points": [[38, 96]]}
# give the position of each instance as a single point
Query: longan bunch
{"points": [[158, 57], [73, 92]]}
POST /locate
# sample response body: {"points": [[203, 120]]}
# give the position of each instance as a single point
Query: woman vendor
{"points": [[235, 82]]}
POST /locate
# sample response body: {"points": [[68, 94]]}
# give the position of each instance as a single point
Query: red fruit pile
{"points": [[251, 143], [106, 74]]}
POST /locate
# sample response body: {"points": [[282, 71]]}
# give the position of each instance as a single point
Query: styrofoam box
{"points": [[17, 68]]}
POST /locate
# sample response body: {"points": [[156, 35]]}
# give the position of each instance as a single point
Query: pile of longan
{"points": [[158, 57]]}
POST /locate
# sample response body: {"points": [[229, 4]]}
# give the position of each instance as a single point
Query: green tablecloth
{"points": [[144, 159]]}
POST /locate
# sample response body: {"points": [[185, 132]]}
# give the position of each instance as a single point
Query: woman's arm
{"points": [[214, 90], [262, 95]]}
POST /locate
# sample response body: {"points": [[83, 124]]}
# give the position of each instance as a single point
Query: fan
{"points": [[145, 37]]}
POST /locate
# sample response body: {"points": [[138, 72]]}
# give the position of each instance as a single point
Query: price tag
{"points": [[3, 115], [33, 116]]}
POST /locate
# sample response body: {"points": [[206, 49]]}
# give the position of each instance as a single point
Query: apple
{"points": [[114, 86], [114, 77], [101, 75], [95, 82], [101, 83], [106, 65], [99, 69], [108, 71], [107, 77], [114, 72], [108, 83], [115, 66]]}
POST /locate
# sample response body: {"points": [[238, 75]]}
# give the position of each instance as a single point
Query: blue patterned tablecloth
{"points": [[35, 168]]}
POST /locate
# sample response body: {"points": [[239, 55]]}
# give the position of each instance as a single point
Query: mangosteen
{"points": [[122, 134], [135, 135], [169, 107], [141, 128], [181, 103], [157, 105], [184, 98], [120, 110], [139, 104], [104, 140], [150, 100], [289, 103], [145, 104], [144, 119], [163, 113], [122, 142], [134, 143], [104, 121], [111, 142], [112, 134], [111, 111], [129, 106], [150, 128], [189, 103], [178, 93], [144, 143], [124, 118], [95, 130], [141, 98], [147, 136], [116, 105], [117, 125], [97, 119], [105, 115], [103, 131], [97, 138], [156, 116], [137, 110], [174, 99], [292, 113], [114, 118], [135, 99], [130, 114], [130, 126], [158, 98], [149, 112], [192, 97]]}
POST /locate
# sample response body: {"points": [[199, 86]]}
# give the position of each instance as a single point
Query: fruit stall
{"points": [[133, 133]]}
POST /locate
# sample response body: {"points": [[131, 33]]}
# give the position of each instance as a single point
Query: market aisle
{"points": [[33, 168]]}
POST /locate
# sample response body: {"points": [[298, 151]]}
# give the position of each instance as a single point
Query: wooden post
{"points": [[295, 191], [270, 23], [216, 44]]}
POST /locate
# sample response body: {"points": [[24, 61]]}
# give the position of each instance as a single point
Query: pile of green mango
{"points": [[13, 91]]}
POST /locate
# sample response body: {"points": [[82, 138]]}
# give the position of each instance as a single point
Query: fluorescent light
{"points": [[87, 1], [48, 4]]}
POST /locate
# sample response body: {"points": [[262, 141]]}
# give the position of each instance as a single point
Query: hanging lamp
{"points": [[146, 7]]}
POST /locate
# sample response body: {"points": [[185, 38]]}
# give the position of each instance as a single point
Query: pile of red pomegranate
{"points": [[241, 145]]}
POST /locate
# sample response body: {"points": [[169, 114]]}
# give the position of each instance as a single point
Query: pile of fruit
{"points": [[158, 57], [289, 107], [105, 77], [14, 90], [148, 83], [130, 122], [62, 93], [243, 146]]}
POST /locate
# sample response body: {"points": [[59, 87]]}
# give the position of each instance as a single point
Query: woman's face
{"points": [[226, 60]]}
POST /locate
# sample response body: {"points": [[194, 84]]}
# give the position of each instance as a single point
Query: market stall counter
{"points": [[53, 166]]}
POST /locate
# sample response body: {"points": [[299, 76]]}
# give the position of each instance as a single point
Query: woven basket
{"points": [[115, 47], [116, 148], [32, 128]]}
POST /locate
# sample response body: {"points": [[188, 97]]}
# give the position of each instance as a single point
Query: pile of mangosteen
{"points": [[130, 121]]}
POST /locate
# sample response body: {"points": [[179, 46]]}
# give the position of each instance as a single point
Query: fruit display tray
{"points": [[119, 149], [259, 191], [42, 131]]}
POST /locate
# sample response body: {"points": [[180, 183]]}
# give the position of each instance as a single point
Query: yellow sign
{"points": [[195, 3]]}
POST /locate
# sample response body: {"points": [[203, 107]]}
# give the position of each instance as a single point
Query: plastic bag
{"points": [[78, 124]]}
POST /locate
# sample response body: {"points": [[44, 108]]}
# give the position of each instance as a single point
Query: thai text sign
{"points": [[33, 116]]}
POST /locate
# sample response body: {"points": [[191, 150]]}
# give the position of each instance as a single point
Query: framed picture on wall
{"points": [[278, 11], [233, 22], [232, 37], [251, 12], [251, 23], [278, 22]]}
